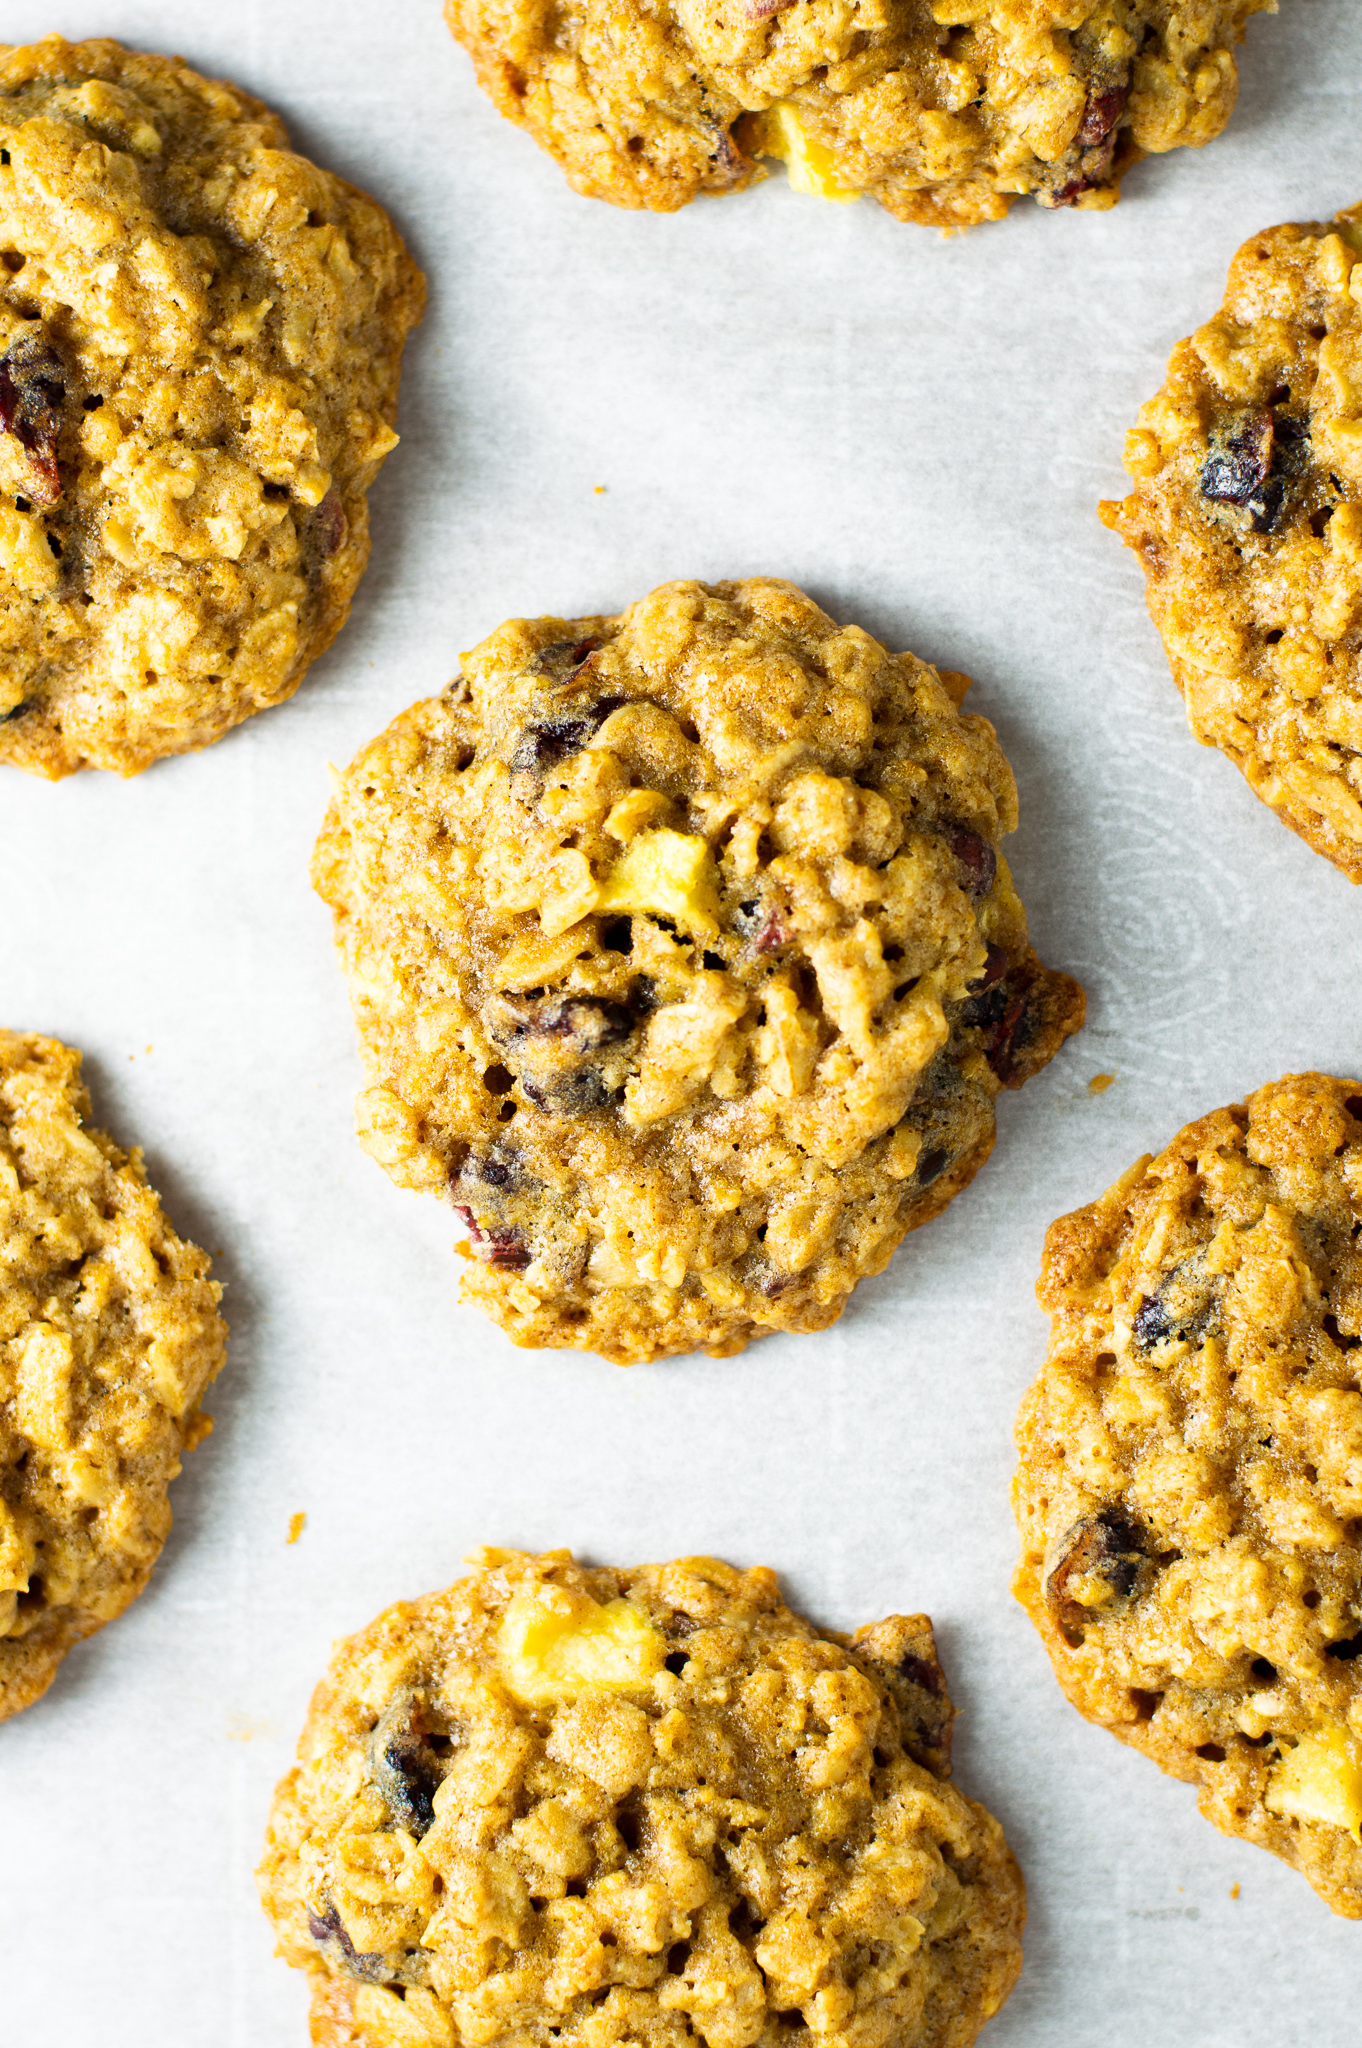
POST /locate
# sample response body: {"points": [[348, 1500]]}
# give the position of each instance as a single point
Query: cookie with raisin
{"points": [[1189, 1495], [109, 1335], [685, 963], [554, 1805], [200, 340], [942, 114], [1247, 517]]}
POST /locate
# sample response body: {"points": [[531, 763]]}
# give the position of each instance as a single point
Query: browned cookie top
{"points": [[109, 1334], [1247, 516], [636, 1807], [684, 958], [1190, 1487], [200, 339], [942, 113]]}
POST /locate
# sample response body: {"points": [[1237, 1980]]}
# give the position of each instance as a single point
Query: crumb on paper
{"points": [[243, 1728], [296, 1524], [1100, 1083], [1234, 1891], [600, 490]]}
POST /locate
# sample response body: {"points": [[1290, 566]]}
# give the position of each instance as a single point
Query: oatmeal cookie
{"points": [[554, 1805], [200, 340], [942, 113], [1190, 1487], [109, 1334], [1247, 516], [683, 957]]}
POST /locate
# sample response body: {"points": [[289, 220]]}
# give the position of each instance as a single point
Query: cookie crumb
{"points": [[1100, 1083], [600, 490], [296, 1524], [1234, 1891]]}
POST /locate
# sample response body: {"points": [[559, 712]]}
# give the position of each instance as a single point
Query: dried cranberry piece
{"points": [[931, 1165], [497, 1168], [999, 1013], [995, 967], [32, 394], [563, 658], [565, 1050], [407, 1754], [1182, 1306], [918, 1671], [1111, 1546], [771, 935], [328, 1927], [903, 1650], [329, 525], [975, 856], [1103, 110], [546, 741], [496, 1247], [1151, 1324], [1238, 464], [728, 160]]}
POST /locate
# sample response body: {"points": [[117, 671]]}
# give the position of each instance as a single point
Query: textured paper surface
{"points": [[917, 430]]}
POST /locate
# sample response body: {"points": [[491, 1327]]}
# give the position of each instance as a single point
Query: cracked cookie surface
{"points": [[684, 959], [200, 341], [109, 1335], [1247, 518], [649, 1806], [1190, 1488], [943, 113]]}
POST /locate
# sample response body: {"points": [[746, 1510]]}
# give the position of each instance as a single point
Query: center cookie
{"points": [[684, 958], [649, 1808]]}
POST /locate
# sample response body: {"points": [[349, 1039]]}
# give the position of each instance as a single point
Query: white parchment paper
{"points": [[917, 430]]}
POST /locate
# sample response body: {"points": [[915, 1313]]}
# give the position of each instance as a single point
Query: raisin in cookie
{"points": [[684, 958], [943, 115], [1190, 1488], [109, 1334], [1247, 516], [645, 1807], [200, 339]]}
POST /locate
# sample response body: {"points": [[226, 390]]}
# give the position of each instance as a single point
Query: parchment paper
{"points": [[917, 430]]}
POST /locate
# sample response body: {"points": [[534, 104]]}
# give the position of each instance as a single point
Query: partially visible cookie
{"points": [[1247, 517], [1190, 1488], [109, 1334], [200, 341], [556, 1805], [943, 114], [685, 961]]}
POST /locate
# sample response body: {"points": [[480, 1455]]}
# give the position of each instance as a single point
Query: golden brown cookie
{"points": [[1247, 516], [1190, 1487], [109, 1334], [684, 959], [200, 341], [943, 114], [647, 1807]]}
